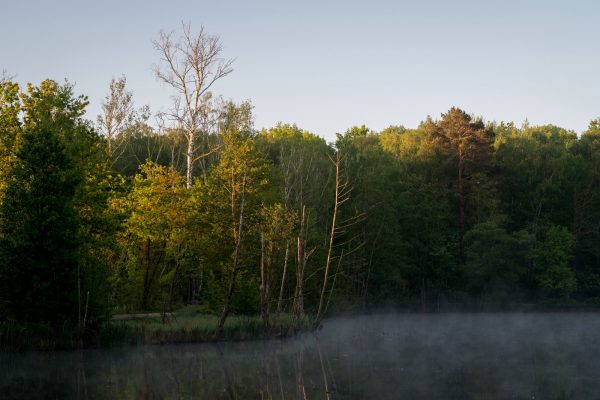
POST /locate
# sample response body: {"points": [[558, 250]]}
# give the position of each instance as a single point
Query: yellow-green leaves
{"points": [[159, 203]]}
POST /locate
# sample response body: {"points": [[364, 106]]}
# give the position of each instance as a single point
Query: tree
{"points": [[117, 111], [375, 178], [38, 234], [466, 141], [336, 229], [301, 179], [229, 205], [191, 66], [496, 262], [48, 220], [49, 217], [275, 235], [10, 126], [551, 258], [156, 237], [230, 201]]}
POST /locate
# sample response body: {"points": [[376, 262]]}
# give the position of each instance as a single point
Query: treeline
{"points": [[278, 220]]}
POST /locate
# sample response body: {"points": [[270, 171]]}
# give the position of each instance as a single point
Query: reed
{"points": [[23, 337], [188, 326]]}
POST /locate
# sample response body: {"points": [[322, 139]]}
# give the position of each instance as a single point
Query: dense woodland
{"points": [[137, 212]]}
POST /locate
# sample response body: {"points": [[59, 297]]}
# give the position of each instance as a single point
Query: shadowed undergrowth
{"points": [[186, 326]]}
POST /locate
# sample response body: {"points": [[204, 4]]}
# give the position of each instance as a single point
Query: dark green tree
{"points": [[466, 142], [38, 234], [551, 261], [54, 215], [496, 262]]}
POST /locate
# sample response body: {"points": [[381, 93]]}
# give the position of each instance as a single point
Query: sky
{"points": [[329, 65]]}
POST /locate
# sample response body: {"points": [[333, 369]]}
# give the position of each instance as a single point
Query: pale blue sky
{"points": [[329, 65]]}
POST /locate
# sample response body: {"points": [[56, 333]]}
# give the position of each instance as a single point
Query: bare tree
{"points": [[342, 195], [283, 275], [191, 64]]}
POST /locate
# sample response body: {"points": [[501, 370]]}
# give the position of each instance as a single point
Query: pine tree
{"points": [[466, 140]]}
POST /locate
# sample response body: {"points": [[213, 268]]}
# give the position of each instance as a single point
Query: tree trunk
{"points": [[235, 265], [227, 305], [285, 262], [298, 304], [264, 285], [172, 286], [336, 203], [146, 289], [461, 198], [190, 159], [108, 141]]}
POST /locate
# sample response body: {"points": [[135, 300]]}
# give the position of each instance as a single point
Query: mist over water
{"points": [[390, 356]]}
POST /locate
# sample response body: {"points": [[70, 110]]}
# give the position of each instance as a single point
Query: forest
{"points": [[124, 214]]}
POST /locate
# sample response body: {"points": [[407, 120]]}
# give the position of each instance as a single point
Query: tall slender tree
{"points": [[232, 197]]}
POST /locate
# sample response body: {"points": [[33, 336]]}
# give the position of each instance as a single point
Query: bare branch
{"points": [[191, 64], [5, 76]]}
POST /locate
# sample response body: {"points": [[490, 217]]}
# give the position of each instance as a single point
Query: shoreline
{"points": [[183, 328]]}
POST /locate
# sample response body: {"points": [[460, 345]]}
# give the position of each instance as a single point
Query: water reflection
{"points": [[460, 356]]}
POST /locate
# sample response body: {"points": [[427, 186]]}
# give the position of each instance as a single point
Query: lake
{"points": [[388, 356]]}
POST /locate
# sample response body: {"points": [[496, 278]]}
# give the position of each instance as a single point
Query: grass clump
{"points": [[188, 325], [23, 337]]}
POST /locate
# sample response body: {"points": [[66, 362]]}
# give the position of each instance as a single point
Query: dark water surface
{"points": [[393, 356]]}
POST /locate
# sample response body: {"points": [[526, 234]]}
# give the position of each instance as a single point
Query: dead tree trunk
{"points": [[342, 192], [301, 258], [285, 263]]}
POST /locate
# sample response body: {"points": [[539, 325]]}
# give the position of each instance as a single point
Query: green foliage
{"points": [[229, 209], [551, 260], [10, 126], [38, 235], [50, 221], [497, 262], [156, 236], [301, 170], [454, 211]]}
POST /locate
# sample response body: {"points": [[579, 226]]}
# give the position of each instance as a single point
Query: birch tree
{"points": [[190, 65]]}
